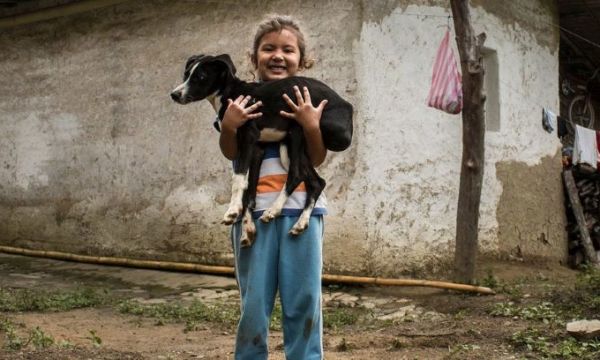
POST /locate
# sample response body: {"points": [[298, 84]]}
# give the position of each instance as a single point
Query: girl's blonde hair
{"points": [[278, 23]]}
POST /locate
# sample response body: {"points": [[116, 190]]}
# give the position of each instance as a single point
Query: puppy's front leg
{"points": [[303, 220], [239, 184], [275, 209]]}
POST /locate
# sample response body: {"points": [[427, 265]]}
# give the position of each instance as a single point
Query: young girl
{"points": [[278, 261]]}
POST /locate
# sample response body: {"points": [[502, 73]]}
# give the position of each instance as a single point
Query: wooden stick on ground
{"points": [[227, 270]]}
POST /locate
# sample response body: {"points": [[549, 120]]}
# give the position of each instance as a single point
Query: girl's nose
{"points": [[277, 57]]}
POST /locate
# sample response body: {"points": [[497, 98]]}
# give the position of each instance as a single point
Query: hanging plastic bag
{"points": [[446, 84]]}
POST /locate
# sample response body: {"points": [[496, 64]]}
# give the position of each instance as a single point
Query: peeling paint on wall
{"points": [[99, 160]]}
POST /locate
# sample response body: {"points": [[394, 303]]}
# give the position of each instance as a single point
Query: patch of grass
{"points": [[582, 301], [36, 337], [490, 280], [12, 340], [190, 314], [276, 317], [13, 300], [544, 311], [338, 317], [549, 347], [39, 339], [94, 338]]}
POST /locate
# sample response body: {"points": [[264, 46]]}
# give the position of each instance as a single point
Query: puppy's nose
{"points": [[176, 96]]}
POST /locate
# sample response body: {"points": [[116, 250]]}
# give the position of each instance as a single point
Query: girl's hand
{"points": [[237, 113], [304, 112], [309, 117]]}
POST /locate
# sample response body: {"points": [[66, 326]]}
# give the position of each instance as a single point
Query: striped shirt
{"points": [[272, 180]]}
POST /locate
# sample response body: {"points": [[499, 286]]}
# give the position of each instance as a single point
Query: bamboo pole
{"points": [[230, 271]]}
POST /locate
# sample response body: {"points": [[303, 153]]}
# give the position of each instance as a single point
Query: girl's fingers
{"points": [[239, 99], [287, 114], [306, 95], [289, 101], [244, 101], [253, 107], [322, 105], [254, 115], [298, 96], [229, 102]]}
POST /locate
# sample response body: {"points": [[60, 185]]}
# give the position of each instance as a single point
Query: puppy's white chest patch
{"points": [[271, 135]]}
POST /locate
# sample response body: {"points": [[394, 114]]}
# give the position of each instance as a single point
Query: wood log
{"points": [[588, 247]]}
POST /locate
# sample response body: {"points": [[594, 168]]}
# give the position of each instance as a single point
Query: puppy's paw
{"points": [[299, 227], [231, 215], [245, 242], [247, 239], [269, 215], [248, 233]]}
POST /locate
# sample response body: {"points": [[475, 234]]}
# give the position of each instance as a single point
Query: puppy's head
{"points": [[204, 75]]}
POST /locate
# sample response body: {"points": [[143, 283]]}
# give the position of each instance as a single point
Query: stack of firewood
{"points": [[588, 188]]}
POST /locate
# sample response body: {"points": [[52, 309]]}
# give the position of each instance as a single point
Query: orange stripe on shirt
{"points": [[275, 183]]}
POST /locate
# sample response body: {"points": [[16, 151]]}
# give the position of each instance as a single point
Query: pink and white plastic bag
{"points": [[446, 84]]}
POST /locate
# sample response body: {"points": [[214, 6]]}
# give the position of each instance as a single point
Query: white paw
{"points": [[270, 214], [231, 215], [248, 233], [299, 227]]}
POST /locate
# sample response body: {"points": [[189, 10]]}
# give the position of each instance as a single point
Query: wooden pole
{"points": [[588, 246], [471, 172], [226, 270]]}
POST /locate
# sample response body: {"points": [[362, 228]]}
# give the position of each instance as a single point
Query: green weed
{"points": [[12, 340], [94, 338], [336, 318], [39, 339], [544, 311], [548, 347], [190, 314], [13, 300]]}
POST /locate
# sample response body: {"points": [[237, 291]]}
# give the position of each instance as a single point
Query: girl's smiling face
{"points": [[278, 55]]}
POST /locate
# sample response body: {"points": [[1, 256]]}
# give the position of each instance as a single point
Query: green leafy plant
{"points": [[94, 338], [39, 339]]}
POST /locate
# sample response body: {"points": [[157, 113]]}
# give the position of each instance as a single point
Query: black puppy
{"points": [[213, 78]]}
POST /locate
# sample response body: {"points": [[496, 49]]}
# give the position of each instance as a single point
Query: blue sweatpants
{"points": [[292, 265]]}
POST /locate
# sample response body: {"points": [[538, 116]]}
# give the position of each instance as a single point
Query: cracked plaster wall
{"points": [[96, 159]]}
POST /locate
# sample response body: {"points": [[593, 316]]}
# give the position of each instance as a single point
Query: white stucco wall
{"points": [[97, 158], [410, 154]]}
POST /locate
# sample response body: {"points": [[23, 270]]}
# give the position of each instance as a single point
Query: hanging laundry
{"points": [[585, 149], [446, 85], [548, 120]]}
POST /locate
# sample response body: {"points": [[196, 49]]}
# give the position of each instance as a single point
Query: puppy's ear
{"points": [[192, 59], [226, 60]]}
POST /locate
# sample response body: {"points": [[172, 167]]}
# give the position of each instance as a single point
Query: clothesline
{"points": [[449, 16], [529, 97]]}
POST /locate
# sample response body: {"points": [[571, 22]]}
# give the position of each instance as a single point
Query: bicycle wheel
{"points": [[581, 111]]}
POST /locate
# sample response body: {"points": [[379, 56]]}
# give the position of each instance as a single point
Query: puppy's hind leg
{"points": [[249, 200], [248, 230], [238, 186], [275, 209]]}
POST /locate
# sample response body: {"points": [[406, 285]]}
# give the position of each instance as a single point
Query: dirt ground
{"points": [[442, 325]]}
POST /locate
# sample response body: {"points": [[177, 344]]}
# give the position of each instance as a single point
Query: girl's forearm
{"points": [[314, 145], [228, 143]]}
